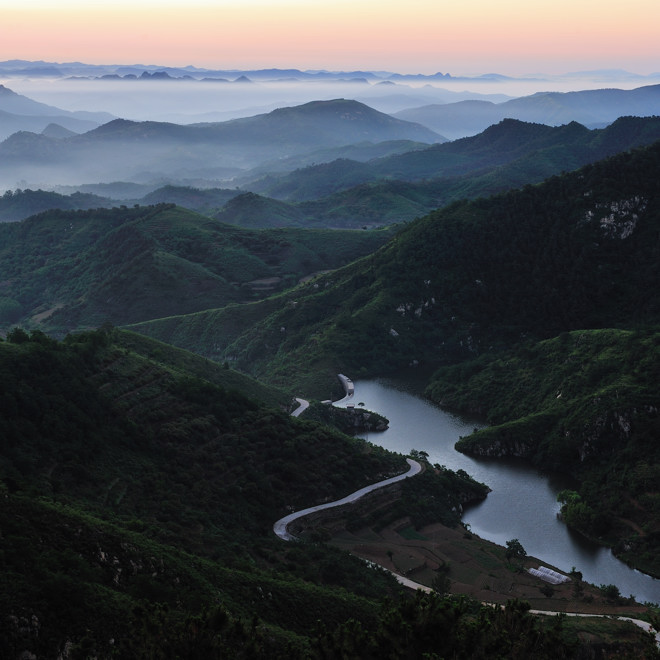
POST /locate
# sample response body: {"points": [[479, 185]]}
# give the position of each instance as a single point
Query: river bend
{"points": [[523, 502]]}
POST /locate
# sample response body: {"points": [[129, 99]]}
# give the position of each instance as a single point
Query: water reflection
{"points": [[523, 502]]}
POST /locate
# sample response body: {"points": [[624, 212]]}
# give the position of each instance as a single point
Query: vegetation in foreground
{"points": [[138, 502]]}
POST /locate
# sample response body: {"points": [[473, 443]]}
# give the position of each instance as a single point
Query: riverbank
{"points": [[504, 514], [472, 566]]}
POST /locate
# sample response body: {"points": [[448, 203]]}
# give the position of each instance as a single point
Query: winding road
{"points": [[280, 527]]}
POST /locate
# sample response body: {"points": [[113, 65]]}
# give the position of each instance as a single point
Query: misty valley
{"points": [[188, 255]]}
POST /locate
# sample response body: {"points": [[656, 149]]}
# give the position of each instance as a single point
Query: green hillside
{"points": [[466, 279], [138, 504], [64, 270], [487, 280], [586, 404]]}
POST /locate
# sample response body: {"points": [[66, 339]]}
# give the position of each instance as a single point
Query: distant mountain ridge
{"points": [[593, 108], [123, 149], [10, 68], [20, 113]]}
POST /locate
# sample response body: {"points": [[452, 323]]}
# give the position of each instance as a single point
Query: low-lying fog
{"points": [[188, 101], [33, 164]]}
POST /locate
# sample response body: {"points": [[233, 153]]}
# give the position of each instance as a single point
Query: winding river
{"points": [[523, 502]]}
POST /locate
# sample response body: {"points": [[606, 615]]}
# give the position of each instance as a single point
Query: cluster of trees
{"points": [[72, 269], [135, 490]]}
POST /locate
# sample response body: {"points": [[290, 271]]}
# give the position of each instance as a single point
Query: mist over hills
{"points": [[20, 113], [403, 186], [409, 181], [593, 108], [143, 151]]}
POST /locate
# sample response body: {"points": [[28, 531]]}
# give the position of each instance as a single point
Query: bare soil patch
{"points": [[474, 566]]}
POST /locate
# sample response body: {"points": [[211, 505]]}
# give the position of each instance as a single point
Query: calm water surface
{"points": [[523, 502]]}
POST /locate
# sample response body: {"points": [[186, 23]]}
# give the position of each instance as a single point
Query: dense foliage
{"points": [[584, 403], [126, 480], [477, 278], [63, 270]]}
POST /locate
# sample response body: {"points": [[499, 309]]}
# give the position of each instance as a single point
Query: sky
{"points": [[412, 36]]}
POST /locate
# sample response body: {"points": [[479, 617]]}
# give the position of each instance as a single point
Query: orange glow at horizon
{"points": [[419, 35]]}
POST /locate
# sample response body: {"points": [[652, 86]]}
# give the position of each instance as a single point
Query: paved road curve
{"points": [[301, 408], [280, 527]]}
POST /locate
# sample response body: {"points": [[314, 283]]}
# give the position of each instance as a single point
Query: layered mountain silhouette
{"points": [[593, 108], [123, 149], [20, 113]]}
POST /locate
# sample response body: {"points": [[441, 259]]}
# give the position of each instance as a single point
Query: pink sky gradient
{"points": [[473, 36]]}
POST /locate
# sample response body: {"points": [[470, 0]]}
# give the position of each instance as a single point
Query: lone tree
{"points": [[514, 550]]}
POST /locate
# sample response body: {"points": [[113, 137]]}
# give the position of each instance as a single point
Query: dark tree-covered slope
{"points": [[138, 498], [578, 251]]}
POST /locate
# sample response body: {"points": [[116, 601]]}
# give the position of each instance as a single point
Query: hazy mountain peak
{"points": [[113, 126], [57, 131], [5, 91]]}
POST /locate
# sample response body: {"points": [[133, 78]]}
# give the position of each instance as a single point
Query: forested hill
{"points": [[63, 270], [139, 492], [542, 304], [578, 251]]}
